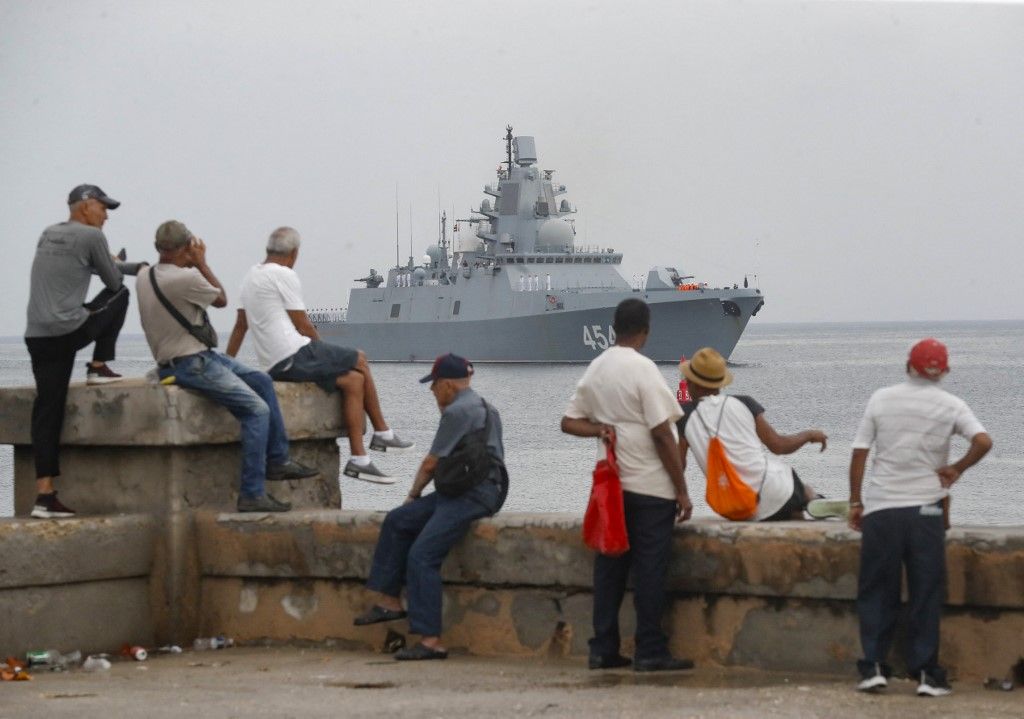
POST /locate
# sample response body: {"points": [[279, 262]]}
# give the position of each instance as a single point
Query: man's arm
{"points": [[103, 264], [668, 453], [684, 447], [423, 476], [786, 443], [302, 324], [981, 443], [583, 427], [858, 461], [197, 259], [237, 334]]}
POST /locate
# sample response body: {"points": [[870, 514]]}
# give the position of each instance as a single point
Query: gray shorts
{"points": [[319, 362]]}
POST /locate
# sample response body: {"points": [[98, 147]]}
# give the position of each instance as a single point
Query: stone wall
{"points": [[777, 596]]}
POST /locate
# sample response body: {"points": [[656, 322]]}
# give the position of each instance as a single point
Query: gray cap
{"points": [[172, 235], [92, 192]]}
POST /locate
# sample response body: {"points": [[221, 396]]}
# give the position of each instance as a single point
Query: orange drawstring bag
{"points": [[604, 524], [726, 493]]}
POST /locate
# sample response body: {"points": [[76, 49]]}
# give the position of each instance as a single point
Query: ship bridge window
{"points": [[395, 309], [588, 260], [530, 260], [559, 260], [577, 260], [549, 260], [457, 307], [520, 260]]}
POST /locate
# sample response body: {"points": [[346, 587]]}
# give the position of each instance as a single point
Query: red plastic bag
{"points": [[604, 524]]}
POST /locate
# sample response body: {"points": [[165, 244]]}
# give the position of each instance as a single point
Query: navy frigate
{"points": [[512, 284]]}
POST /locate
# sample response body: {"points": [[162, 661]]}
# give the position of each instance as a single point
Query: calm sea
{"points": [[815, 375]]}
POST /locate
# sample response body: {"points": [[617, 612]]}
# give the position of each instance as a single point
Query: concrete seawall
{"points": [[161, 561]]}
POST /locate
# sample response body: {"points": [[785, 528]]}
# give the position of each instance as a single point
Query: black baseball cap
{"points": [[449, 366], [92, 192]]}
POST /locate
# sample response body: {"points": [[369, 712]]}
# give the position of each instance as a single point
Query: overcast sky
{"points": [[864, 160]]}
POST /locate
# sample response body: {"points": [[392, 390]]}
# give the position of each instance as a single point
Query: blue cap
{"points": [[449, 366]]}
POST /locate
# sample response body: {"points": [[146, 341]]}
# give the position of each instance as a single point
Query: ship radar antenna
{"points": [[508, 147]]}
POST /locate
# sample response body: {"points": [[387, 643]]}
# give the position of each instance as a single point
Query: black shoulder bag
{"points": [[469, 464], [204, 333]]}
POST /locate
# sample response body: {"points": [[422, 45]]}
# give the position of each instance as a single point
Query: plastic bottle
{"points": [[95, 664], [219, 642], [42, 658]]}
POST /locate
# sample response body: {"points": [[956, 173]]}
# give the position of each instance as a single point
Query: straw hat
{"points": [[706, 368]]}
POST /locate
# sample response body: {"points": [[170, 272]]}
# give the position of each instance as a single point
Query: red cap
{"points": [[929, 358]]}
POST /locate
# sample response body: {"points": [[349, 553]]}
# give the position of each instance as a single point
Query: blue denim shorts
{"points": [[320, 362]]}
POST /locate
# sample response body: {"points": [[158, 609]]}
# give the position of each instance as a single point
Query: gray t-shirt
{"points": [[189, 292], [464, 415], [67, 256]]}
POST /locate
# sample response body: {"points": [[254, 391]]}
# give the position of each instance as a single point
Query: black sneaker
{"points": [[100, 375], [395, 444], [290, 470], [47, 506], [662, 664], [873, 678], [933, 683], [263, 503], [614, 661]]}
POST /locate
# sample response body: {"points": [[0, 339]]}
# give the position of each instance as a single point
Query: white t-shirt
{"points": [[910, 425], [268, 292], [770, 478], [624, 389]]}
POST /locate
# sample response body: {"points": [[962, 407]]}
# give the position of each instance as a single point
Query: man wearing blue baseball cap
{"points": [[416, 537]]}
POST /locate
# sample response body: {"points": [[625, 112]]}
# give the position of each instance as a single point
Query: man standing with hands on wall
{"points": [[623, 393]]}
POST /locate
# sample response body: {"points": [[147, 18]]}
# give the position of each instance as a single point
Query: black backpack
{"points": [[469, 464]]}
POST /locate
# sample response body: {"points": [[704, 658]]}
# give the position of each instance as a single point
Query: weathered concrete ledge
{"points": [[776, 596], [81, 583], [137, 413]]}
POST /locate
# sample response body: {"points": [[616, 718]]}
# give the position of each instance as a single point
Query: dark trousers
{"points": [[53, 359], [913, 537], [649, 523], [414, 540]]}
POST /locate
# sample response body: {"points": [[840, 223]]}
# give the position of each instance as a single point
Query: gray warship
{"points": [[511, 284]]}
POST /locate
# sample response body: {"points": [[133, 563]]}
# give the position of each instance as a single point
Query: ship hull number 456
{"points": [[596, 338]]}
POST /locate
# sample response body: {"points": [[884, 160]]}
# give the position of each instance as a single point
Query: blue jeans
{"points": [[414, 540], [249, 395], [914, 537], [649, 525]]}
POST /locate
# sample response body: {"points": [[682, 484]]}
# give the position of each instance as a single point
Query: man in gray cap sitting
{"points": [[173, 297], [60, 323], [416, 537]]}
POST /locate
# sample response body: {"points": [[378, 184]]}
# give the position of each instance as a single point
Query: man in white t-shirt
{"points": [[288, 347], [900, 513], [739, 423], [623, 393]]}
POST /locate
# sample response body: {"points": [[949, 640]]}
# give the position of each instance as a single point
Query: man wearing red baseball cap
{"points": [[900, 513]]}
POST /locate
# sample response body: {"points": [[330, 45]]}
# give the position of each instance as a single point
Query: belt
{"points": [[173, 360]]}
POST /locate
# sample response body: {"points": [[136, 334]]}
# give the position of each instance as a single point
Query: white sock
{"points": [[386, 434], [360, 460]]}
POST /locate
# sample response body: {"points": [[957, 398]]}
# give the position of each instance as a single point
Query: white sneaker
{"points": [[367, 472], [933, 685], [874, 683], [825, 508]]}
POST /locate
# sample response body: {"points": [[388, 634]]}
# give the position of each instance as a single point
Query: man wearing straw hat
{"points": [[739, 422]]}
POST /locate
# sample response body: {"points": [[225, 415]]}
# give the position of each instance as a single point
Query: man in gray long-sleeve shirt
{"points": [[60, 323]]}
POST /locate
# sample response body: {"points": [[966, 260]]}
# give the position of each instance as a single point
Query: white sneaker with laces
{"points": [[825, 508]]}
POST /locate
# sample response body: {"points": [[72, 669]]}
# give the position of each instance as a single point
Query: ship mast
{"points": [[508, 148]]}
